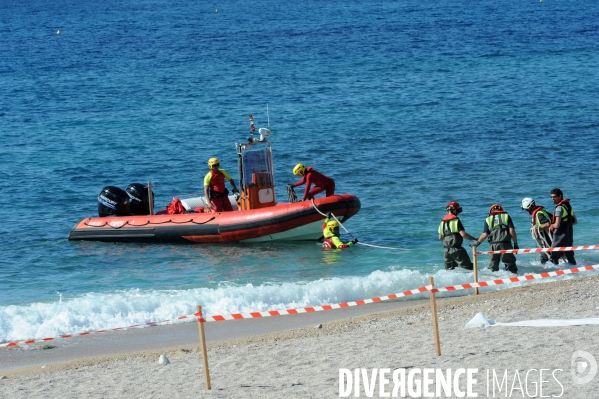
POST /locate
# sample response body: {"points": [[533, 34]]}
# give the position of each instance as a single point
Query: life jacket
{"points": [[563, 236], [328, 243], [175, 207], [449, 230], [534, 219], [217, 184], [449, 225], [567, 211], [498, 227]]}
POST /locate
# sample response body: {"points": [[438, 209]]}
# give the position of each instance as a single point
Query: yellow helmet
{"points": [[299, 169], [212, 162], [332, 226]]}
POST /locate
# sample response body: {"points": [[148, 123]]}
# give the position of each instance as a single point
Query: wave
{"points": [[95, 311]]}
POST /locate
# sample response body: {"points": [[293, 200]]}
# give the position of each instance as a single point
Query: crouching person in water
{"points": [[331, 235], [500, 230], [452, 233]]}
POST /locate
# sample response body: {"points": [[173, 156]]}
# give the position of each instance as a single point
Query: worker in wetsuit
{"points": [[311, 176], [330, 232]]}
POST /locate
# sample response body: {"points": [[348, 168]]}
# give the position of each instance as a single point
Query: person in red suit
{"points": [[311, 176], [216, 194]]}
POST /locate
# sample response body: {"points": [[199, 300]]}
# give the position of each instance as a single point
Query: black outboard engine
{"points": [[113, 201], [140, 198]]}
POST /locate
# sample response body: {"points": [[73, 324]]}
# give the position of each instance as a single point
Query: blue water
{"points": [[406, 104]]}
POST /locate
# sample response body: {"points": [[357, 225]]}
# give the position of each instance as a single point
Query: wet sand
{"points": [[292, 356]]}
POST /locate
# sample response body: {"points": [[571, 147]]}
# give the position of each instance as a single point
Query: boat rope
{"points": [[291, 196], [347, 231], [540, 238]]}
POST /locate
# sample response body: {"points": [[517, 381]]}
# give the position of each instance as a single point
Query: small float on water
{"points": [[128, 216]]}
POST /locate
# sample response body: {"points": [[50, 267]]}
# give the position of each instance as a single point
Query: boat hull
{"points": [[282, 222]]}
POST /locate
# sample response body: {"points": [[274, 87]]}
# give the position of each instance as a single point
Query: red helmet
{"points": [[453, 205], [495, 208]]}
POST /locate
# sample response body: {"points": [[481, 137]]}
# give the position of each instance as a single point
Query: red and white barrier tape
{"points": [[509, 280], [234, 316], [82, 334], [532, 250], [254, 315]]}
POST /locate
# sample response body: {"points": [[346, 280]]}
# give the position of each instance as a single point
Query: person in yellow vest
{"points": [[330, 232], [501, 231], [452, 233], [541, 222], [215, 192]]}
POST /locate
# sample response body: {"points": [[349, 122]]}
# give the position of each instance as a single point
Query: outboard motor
{"points": [[140, 198], [113, 201]]}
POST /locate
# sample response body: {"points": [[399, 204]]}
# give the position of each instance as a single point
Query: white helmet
{"points": [[527, 203]]}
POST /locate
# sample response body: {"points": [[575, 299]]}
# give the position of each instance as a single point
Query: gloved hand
{"points": [[516, 246], [329, 215], [289, 186], [474, 244], [354, 241], [551, 228]]}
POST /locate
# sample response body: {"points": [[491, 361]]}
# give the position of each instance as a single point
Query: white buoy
{"points": [[58, 32], [163, 360]]}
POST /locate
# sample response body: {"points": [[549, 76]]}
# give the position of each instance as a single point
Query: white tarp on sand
{"points": [[480, 321]]}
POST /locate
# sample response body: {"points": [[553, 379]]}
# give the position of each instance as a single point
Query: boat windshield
{"points": [[257, 168]]}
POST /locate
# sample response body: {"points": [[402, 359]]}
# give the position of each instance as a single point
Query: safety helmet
{"points": [[453, 205], [332, 226], [527, 203], [299, 169], [212, 162], [495, 208]]}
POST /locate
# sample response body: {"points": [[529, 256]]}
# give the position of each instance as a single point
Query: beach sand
{"points": [[304, 362]]}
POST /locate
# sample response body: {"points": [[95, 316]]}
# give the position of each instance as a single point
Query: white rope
{"points": [[540, 238], [378, 246], [347, 231]]}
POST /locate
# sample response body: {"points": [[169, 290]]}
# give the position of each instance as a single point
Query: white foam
{"points": [[94, 311]]}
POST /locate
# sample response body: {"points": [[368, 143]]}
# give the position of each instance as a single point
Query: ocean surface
{"points": [[406, 104]]}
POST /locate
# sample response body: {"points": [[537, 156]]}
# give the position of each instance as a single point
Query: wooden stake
{"points": [[431, 281], [203, 347], [475, 268]]}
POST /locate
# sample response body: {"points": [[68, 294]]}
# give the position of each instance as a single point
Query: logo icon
{"points": [[584, 367]]}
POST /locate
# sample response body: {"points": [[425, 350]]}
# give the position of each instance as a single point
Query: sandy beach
{"points": [[278, 357]]}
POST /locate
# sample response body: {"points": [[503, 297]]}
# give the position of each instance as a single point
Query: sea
{"points": [[404, 103]]}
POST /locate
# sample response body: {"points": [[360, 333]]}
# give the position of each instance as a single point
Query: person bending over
{"points": [[541, 222], [311, 176]]}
